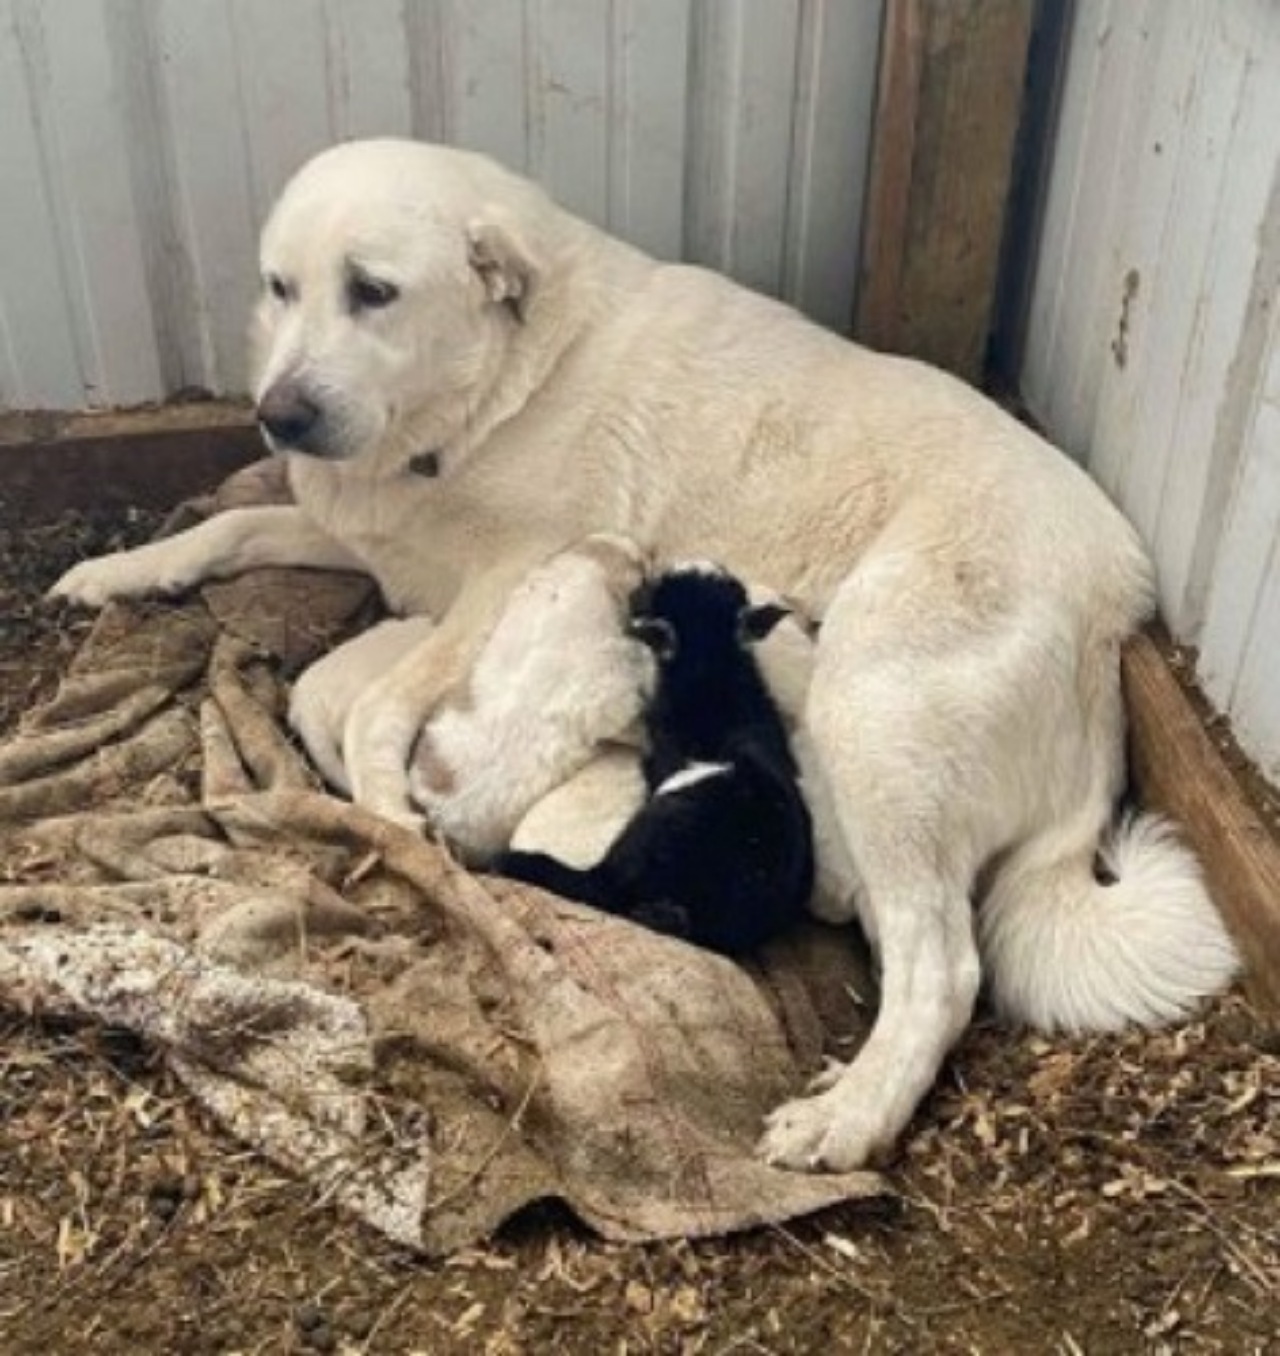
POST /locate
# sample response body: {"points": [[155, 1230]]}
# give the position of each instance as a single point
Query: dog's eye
{"points": [[277, 286], [370, 294]]}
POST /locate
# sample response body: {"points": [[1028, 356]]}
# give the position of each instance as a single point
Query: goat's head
{"points": [[698, 609]]}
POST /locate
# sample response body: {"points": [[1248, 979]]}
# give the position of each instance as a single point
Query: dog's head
{"points": [[395, 276]]}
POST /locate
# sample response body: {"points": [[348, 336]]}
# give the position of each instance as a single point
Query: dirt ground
{"points": [[1113, 1195]]}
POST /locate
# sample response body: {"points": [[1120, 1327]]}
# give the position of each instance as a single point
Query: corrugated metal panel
{"points": [[1240, 643], [1151, 352], [142, 141]]}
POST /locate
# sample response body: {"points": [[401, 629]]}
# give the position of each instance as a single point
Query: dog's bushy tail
{"points": [[1078, 936]]}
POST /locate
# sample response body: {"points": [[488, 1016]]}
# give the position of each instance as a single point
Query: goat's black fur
{"points": [[727, 860]]}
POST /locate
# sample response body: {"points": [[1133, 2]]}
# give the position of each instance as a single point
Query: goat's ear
{"points": [[755, 623], [657, 633], [503, 264], [640, 604]]}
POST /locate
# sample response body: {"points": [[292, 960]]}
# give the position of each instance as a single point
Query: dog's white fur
{"points": [[786, 657], [558, 678], [974, 586], [578, 822], [556, 682], [326, 690]]}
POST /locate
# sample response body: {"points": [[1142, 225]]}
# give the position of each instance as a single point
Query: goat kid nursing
{"points": [[721, 850]]}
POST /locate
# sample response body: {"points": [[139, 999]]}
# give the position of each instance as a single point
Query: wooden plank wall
{"points": [[1153, 348], [948, 107], [142, 141]]}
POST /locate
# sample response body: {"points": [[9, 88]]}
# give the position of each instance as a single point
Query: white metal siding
{"points": [[142, 142], [1153, 353]]}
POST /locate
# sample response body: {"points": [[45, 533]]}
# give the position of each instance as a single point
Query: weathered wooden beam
{"points": [[1180, 771], [948, 105], [148, 458]]}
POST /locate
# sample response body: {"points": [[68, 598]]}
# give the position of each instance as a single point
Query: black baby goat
{"points": [[721, 851]]}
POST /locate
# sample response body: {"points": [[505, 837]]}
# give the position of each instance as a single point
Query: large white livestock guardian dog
{"points": [[466, 379]]}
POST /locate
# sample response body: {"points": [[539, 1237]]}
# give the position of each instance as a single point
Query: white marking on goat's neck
{"points": [[691, 776]]}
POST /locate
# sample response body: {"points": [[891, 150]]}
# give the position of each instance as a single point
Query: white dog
{"points": [[467, 378]]}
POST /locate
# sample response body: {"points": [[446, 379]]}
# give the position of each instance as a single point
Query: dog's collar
{"points": [[427, 464]]}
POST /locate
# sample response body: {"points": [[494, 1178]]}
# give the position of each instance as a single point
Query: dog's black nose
{"points": [[289, 416]]}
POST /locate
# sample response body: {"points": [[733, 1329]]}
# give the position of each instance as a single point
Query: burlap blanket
{"points": [[432, 1049]]}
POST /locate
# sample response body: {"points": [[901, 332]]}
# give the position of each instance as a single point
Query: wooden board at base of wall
{"points": [[53, 463], [1180, 772]]}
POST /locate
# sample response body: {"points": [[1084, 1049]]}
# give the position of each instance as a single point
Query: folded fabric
{"points": [[433, 1049]]}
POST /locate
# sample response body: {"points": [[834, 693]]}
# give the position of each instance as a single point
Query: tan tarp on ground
{"points": [[433, 1049]]}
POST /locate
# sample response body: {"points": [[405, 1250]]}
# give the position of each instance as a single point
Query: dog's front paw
{"points": [[92, 583], [124, 574], [834, 1131]]}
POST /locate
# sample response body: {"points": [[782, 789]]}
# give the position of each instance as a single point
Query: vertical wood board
{"points": [[948, 109]]}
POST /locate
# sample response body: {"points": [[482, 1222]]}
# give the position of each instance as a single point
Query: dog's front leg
{"points": [[384, 721], [228, 543]]}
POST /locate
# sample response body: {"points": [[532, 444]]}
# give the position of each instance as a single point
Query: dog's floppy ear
{"points": [[503, 263]]}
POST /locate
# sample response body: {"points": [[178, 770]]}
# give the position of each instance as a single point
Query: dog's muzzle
{"points": [[292, 421]]}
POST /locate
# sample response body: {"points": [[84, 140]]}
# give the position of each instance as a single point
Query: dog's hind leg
{"points": [[929, 980], [902, 712]]}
